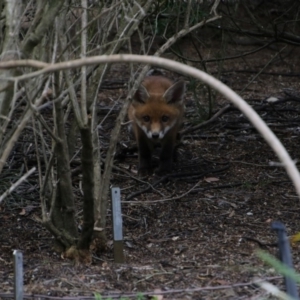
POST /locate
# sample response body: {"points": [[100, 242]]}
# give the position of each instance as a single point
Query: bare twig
{"points": [[36, 151], [267, 64], [103, 12], [137, 15], [260, 244], [150, 186], [166, 199], [168, 176], [226, 57], [10, 50], [83, 100], [211, 120], [214, 7], [16, 184], [187, 14], [117, 295]]}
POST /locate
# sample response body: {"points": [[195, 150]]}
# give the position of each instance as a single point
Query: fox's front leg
{"points": [[145, 156], [166, 157]]}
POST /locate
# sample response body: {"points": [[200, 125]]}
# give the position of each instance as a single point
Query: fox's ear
{"points": [[141, 95], [175, 93]]}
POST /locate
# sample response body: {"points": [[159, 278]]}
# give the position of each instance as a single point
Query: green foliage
{"points": [[97, 296], [140, 296], [278, 266]]}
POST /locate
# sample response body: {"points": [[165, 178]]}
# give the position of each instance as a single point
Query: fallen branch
{"points": [[166, 177], [164, 200]]}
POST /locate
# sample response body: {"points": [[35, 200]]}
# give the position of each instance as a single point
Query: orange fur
{"points": [[156, 115]]}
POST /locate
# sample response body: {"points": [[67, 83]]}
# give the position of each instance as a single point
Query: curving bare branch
{"points": [[253, 117]]}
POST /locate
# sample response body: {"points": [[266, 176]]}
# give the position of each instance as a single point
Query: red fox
{"points": [[156, 114]]}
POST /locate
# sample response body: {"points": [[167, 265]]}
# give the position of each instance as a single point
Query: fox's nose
{"points": [[155, 135]]}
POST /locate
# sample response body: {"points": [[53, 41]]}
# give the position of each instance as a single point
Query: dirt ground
{"points": [[194, 233]]}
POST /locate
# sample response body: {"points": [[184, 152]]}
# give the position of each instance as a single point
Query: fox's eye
{"points": [[146, 118], [165, 118]]}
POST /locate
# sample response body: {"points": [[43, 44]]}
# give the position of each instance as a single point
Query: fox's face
{"points": [[158, 106], [156, 121]]}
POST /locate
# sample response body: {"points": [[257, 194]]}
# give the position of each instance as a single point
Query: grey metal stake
{"points": [[286, 257], [18, 265], [117, 225]]}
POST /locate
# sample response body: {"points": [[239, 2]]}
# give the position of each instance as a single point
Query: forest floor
{"points": [[193, 234]]}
